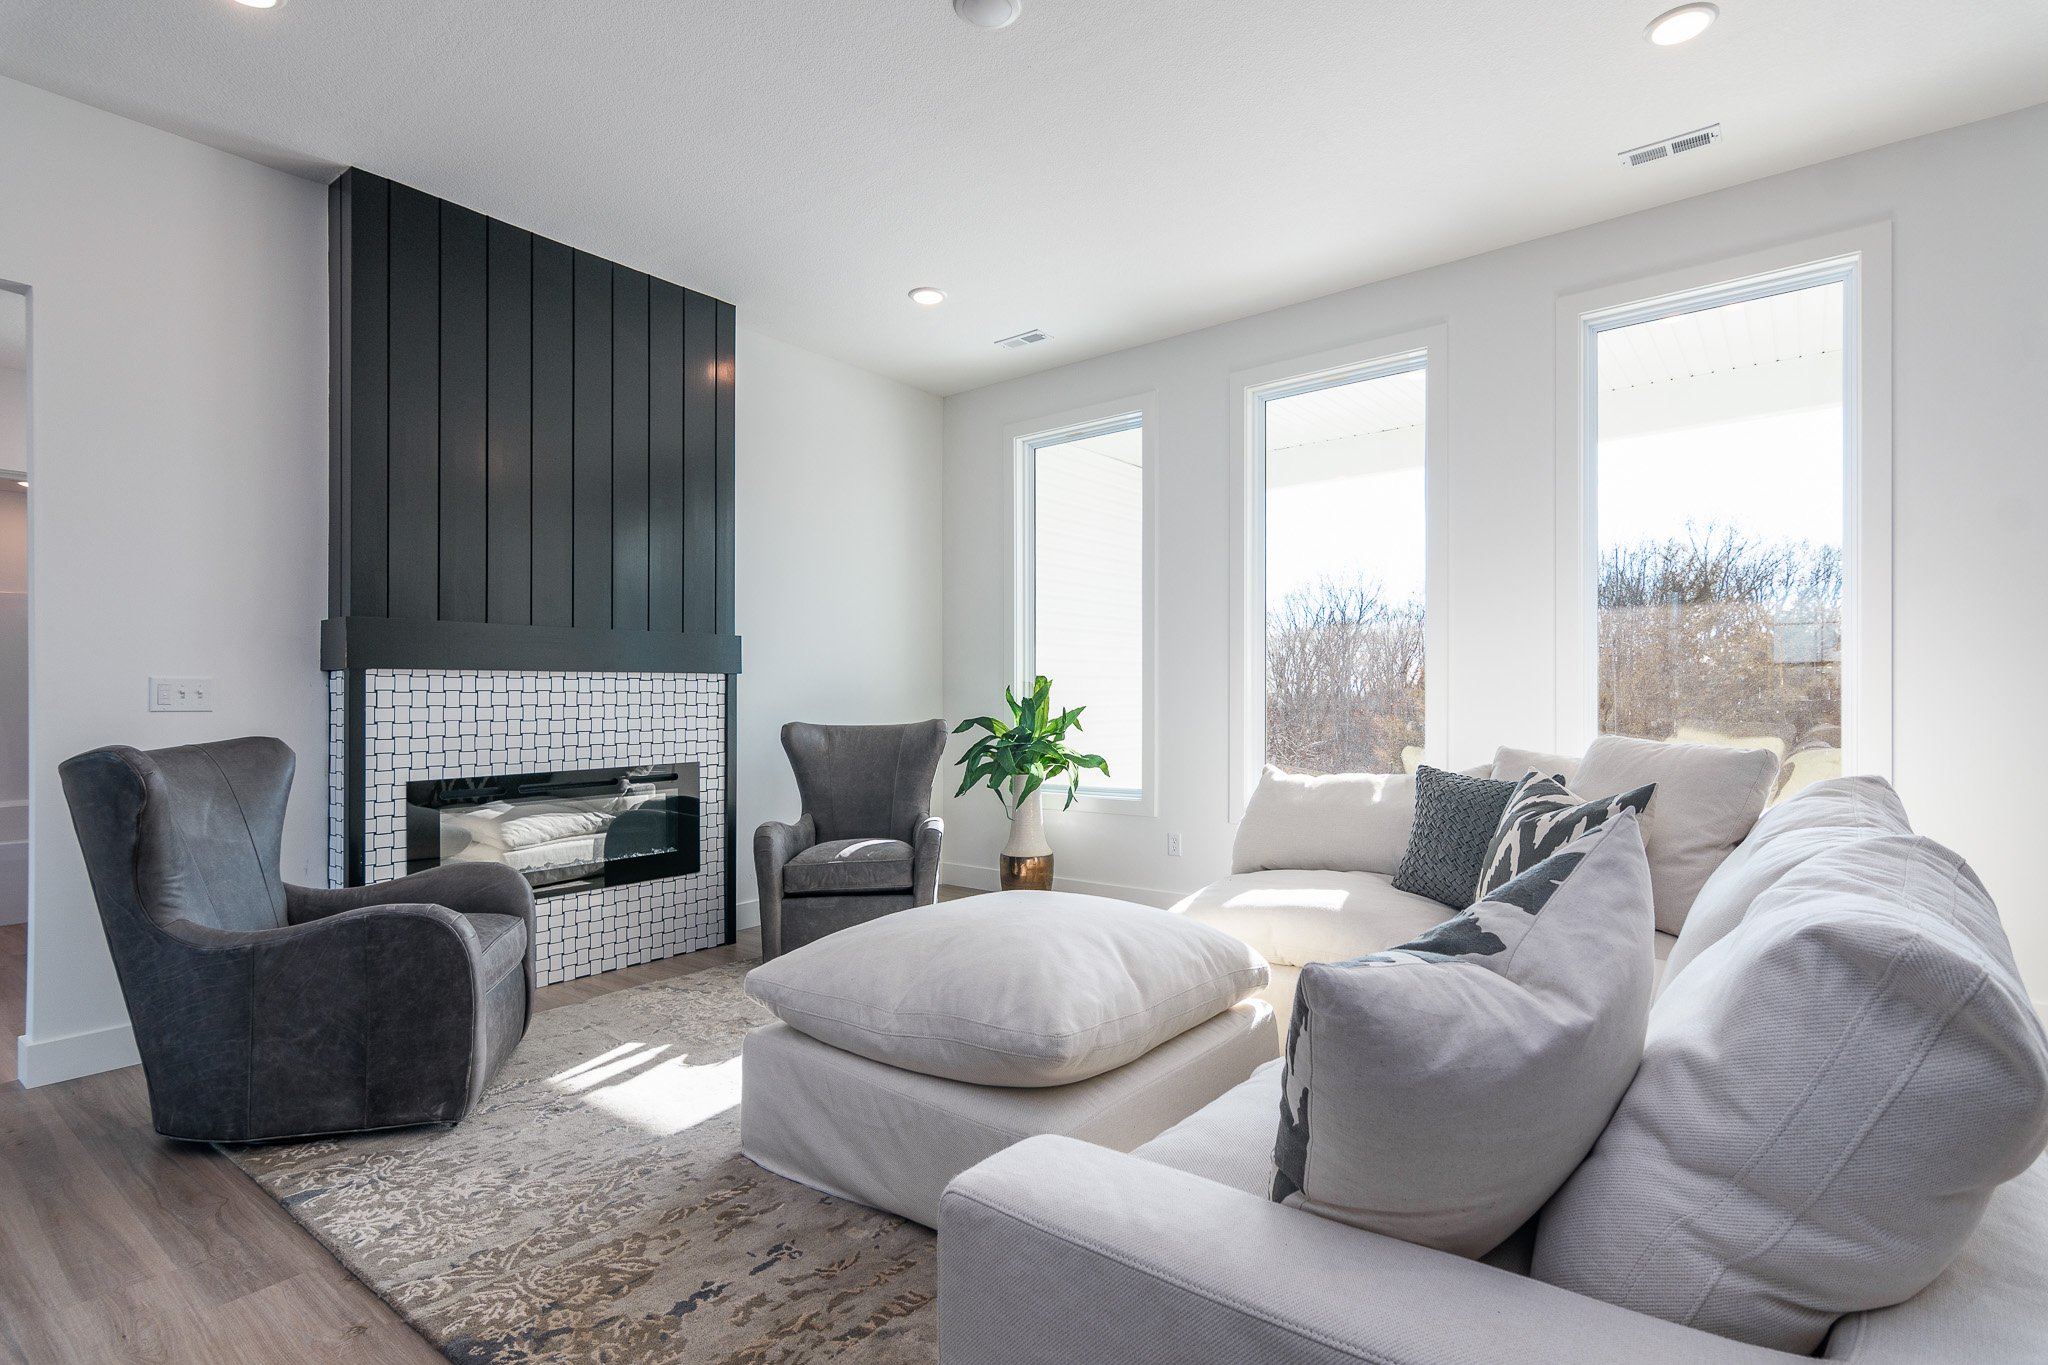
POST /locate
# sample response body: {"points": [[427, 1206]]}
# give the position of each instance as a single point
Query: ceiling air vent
{"points": [[1030, 338], [1672, 146]]}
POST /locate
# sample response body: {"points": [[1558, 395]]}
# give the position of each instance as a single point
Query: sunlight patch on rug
{"points": [[595, 1208]]}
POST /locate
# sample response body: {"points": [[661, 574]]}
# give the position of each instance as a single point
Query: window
{"points": [[1338, 548], [1082, 609], [1721, 448]]}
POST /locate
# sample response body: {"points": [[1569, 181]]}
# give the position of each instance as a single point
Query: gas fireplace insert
{"points": [[564, 831]]}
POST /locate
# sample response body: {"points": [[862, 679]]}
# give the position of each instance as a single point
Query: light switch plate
{"points": [[181, 694]]}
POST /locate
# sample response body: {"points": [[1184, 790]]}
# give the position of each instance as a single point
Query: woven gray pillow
{"points": [[1441, 1091], [1455, 817], [1542, 817]]}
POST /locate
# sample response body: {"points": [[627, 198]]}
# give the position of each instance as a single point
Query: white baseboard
{"points": [[986, 879], [747, 914], [45, 1061]]}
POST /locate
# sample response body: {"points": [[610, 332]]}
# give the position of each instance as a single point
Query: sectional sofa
{"points": [[1844, 1090]]}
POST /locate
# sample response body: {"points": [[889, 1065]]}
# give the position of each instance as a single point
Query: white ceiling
{"points": [[1112, 171]]}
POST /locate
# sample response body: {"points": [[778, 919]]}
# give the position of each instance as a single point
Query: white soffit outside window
{"points": [[1098, 464]]}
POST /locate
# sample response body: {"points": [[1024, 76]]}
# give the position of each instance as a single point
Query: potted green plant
{"points": [[1016, 758]]}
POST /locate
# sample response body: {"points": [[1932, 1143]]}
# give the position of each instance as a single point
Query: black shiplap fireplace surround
{"points": [[532, 464]]}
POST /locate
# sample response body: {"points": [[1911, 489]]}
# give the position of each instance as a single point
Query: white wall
{"points": [[179, 316], [839, 561], [1970, 437], [178, 327]]}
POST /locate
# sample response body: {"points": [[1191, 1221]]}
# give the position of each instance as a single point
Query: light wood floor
{"points": [[13, 993], [117, 1245]]}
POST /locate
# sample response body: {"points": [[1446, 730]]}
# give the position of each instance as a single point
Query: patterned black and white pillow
{"points": [[1542, 817]]}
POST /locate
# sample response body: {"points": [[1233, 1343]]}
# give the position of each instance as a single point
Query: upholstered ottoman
{"points": [[914, 1046]]}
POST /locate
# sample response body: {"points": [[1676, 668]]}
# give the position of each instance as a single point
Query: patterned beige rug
{"points": [[595, 1208]]}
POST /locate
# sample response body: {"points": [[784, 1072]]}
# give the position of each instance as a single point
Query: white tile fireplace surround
{"points": [[430, 723]]}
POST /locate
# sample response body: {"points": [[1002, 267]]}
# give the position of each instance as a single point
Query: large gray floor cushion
{"points": [[913, 1046], [1707, 799], [1441, 1091], [1828, 1097], [1025, 988]]}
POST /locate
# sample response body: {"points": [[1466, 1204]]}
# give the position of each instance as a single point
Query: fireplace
{"points": [[563, 831]]}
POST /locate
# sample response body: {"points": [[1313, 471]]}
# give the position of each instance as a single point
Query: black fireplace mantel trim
{"points": [[359, 642]]}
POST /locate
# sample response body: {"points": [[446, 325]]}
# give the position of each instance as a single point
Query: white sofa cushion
{"points": [[1293, 917], [1707, 799], [1512, 765], [1344, 822], [1828, 814], [1441, 1091], [1828, 1097], [1228, 1140], [1988, 1305], [1023, 988]]}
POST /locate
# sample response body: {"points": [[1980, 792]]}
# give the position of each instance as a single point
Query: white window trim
{"points": [[1386, 353], [1020, 438], [1862, 258]]}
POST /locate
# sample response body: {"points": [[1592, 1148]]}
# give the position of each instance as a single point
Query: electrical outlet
{"points": [[1173, 845], [181, 694]]}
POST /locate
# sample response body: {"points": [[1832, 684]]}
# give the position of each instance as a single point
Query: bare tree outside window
{"points": [[1346, 543], [1713, 635], [1721, 634], [1343, 679]]}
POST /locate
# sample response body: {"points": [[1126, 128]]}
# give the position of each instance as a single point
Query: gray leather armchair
{"points": [[264, 1010], [867, 843]]}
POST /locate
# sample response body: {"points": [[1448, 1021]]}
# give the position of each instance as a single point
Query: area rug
{"points": [[596, 1208]]}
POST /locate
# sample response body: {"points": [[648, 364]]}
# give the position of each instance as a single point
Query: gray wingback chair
{"points": [[264, 1010], [867, 843]]}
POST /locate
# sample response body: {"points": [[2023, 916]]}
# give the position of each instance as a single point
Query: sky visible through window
{"points": [[1344, 494]]}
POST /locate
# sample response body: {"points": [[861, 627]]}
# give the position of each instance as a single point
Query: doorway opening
{"points": [[14, 769]]}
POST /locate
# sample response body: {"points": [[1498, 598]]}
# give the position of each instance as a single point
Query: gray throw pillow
{"points": [[1441, 1091], [1542, 817], [1707, 799], [1455, 817], [1828, 1097]]}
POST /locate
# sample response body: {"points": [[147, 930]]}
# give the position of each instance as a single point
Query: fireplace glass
{"points": [[563, 831]]}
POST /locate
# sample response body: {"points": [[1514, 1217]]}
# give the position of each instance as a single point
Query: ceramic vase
{"points": [[1027, 858]]}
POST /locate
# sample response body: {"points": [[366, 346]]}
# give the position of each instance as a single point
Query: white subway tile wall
{"points": [[425, 723]]}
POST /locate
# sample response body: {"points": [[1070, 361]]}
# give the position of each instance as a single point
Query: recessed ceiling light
{"points": [[928, 296], [1681, 25], [989, 13], [260, 4], [21, 483]]}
